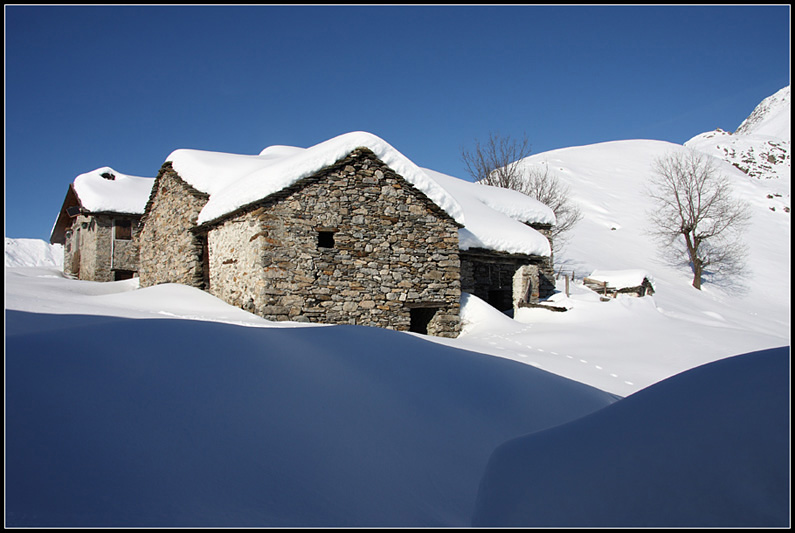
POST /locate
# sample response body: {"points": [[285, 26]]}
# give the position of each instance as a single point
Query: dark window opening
{"points": [[420, 318], [325, 239], [119, 275], [122, 230]]}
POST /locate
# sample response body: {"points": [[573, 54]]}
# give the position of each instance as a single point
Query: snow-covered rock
{"points": [[760, 146]]}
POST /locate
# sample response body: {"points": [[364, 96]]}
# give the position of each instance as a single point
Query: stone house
{"points": [[98, 225], [345, 232]]}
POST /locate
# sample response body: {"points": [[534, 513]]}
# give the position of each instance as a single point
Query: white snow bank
{"points": [[622, 279], [122, 194], [706, 448], [32, 253], [179, 423]]}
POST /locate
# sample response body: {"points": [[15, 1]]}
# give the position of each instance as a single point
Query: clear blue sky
{"points": [[87, 87]]}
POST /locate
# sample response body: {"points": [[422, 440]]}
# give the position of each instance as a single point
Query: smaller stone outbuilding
{"points": [[612, 283], [98, 225]]}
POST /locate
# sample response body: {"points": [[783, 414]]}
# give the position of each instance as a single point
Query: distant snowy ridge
{"points": [[760, 146], [771, 117]]}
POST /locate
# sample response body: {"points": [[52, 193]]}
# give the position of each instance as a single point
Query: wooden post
{"points": [[567, 286]]}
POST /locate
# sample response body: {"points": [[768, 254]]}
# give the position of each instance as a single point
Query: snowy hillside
{"points": [[627, 344]]}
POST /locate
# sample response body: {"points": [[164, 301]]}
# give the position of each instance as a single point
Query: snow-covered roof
{"points": [[621, 279], [105, 190], [496, 217], [492, 218]]}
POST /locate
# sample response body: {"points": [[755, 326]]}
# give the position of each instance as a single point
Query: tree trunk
{"points": [[692, 250], [697, 270]]}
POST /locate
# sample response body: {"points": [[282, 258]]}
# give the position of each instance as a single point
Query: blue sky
{"points": [[120, 86]]}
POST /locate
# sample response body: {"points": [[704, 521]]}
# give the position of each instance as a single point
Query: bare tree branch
{"points": [[498, 162]]}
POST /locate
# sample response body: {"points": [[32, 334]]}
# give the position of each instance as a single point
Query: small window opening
{"points": [[325, 239], [122, 230], [420, 318]]}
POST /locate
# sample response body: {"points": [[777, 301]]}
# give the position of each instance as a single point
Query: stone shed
{"points": [[348, 231], [98, 225], [613, 283]]}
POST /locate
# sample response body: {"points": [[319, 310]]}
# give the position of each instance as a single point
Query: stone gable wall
{"points": [[393, 251], [170, 252]]}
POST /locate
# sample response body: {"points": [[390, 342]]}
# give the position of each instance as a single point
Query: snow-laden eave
{"points": [[497, 219], [275, 175]]}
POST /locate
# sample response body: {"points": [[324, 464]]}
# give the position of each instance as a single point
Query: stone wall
{"points": [[170, 252], [355, 244], [92, 253]]}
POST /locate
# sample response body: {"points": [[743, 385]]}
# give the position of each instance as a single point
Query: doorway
{"points": [[420, 318]]}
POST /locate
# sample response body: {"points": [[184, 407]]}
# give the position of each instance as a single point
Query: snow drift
{"points": [[113, 422], [706, 448]]}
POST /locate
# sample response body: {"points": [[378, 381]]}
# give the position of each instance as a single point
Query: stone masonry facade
{"points": [[102, 247], [353, 244], [171, 252]]}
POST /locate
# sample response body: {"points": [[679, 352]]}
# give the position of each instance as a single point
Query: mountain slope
{"points": [[760, 146]]}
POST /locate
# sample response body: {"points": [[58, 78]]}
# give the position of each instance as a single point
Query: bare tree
{"points": [[498, 162], [696, 217]]}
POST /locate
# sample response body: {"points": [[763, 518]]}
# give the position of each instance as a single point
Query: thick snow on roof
{"points": [[122, 194], [621, 279], [211, 172], [251, 178], [493, 217]]}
